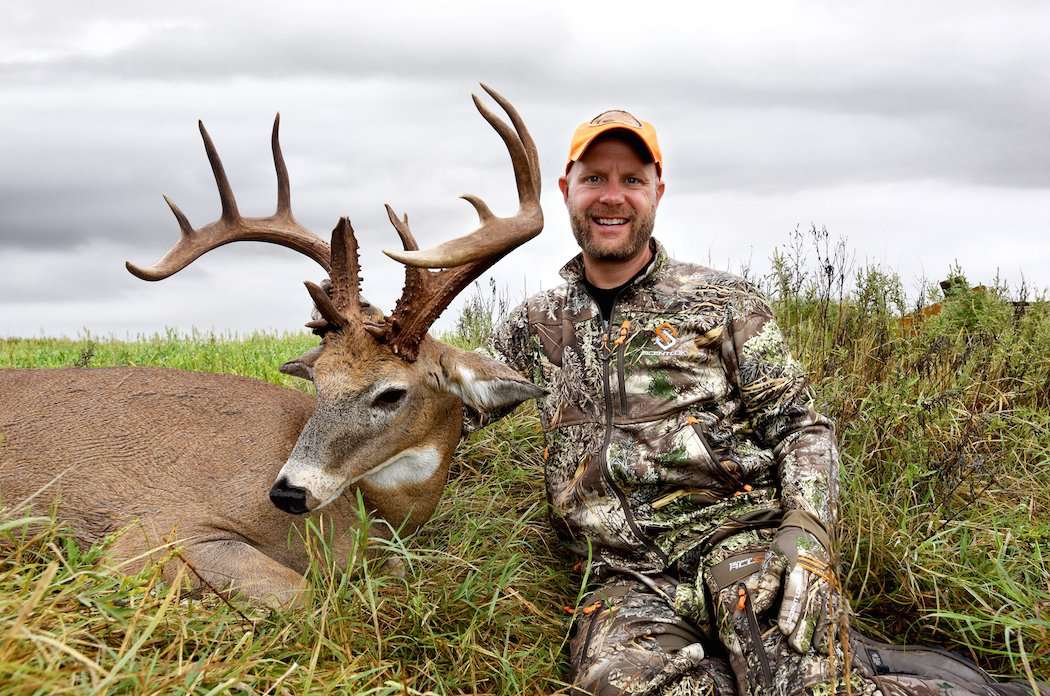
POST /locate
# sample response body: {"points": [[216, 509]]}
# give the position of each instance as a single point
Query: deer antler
{"points": [[342, 305], [280, 228], [427, 293]]}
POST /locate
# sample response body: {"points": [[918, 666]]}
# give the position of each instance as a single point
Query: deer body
{"points": [[187, 457], [192, 457]]}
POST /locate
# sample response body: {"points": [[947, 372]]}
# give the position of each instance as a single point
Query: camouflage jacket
{"points": [[683, 419]]}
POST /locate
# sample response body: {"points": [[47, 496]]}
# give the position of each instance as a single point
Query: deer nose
{"points": [[288, 498]]}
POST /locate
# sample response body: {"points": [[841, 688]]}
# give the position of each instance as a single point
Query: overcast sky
{"points": [[916, 130]]}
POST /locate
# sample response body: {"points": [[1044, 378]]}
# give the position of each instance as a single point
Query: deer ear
{"points": [[303, 366], [484, 384]]}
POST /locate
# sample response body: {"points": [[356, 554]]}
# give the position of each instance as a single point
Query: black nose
{"points": [[288, 498]]}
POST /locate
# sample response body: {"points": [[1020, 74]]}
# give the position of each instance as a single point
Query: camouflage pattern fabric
{"points": [[629, 640], [761, 655], [682, 417]]}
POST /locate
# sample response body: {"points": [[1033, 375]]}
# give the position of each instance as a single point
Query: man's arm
{"points": [[779, 405]]}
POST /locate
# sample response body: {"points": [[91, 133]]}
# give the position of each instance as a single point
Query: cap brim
{"points": [[578, 148]]}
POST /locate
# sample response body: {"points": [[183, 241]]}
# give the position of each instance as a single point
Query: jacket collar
{"points": [[572, 272]]}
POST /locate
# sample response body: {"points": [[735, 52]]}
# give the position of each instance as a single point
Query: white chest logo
{"points": [[666, 336]]}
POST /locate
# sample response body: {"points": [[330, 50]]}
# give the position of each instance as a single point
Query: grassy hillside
{"points": [[945, 530]]}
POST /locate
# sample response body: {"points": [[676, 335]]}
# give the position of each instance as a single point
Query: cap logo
{"points": [[616, 116]]}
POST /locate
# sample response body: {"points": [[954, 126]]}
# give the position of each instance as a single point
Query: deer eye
{"points": [[389, 397]]}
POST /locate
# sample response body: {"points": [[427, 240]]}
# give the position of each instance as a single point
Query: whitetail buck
{"points": [[194, 456]]}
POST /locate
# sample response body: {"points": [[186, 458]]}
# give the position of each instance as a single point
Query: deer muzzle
{"points": [[287, 497]]}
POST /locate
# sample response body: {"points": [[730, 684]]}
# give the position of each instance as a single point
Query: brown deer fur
{"points": [[189, 457]]}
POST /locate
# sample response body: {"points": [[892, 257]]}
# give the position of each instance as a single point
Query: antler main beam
{"points": [[428, 293], [279, 228]]}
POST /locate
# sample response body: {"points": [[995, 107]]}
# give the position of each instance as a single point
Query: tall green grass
{"points": [[944, 431], [944, 534]]}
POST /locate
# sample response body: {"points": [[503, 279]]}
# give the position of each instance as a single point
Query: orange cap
{"points": [[614, 119]]}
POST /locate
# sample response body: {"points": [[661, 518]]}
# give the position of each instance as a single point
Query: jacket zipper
{"points": [[606, 474], [621, 377]]}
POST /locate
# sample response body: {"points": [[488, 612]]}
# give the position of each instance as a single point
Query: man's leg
{"points": [[630, 641]]}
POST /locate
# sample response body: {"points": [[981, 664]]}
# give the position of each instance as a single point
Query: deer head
{"points": [[389, 397]]}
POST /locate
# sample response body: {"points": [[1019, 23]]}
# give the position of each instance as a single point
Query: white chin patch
{"points": [[411, 466]]}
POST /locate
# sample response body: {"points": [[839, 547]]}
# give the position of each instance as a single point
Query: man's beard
{"points": [[637, 238]]}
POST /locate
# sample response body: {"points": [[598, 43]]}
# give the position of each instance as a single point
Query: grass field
{"points": [[945, 528]]}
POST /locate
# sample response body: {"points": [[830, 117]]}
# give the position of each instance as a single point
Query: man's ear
{"points": [[303, 366], [484, 384]]}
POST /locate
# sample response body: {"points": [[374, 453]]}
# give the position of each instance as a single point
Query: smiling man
{"points": [[684, 459]]}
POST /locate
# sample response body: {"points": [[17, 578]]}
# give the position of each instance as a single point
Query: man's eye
{"points": [[592, 179], [633, 180]]}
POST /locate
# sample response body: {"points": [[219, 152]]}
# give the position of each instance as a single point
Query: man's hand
{"points": [[799, 560]]}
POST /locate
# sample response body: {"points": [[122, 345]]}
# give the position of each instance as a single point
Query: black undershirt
{"points": [[606, 296]]}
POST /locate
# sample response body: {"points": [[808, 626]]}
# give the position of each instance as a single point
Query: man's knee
{"points": [[632, 642], [625, 674]]}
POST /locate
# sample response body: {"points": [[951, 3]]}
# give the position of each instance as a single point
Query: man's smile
{"points": [[610, 224]]}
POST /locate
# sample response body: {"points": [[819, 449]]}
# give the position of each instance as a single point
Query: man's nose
{"points": [[612, 194]]}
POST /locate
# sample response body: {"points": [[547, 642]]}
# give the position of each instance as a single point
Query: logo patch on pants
{"points": [[743, 563]]}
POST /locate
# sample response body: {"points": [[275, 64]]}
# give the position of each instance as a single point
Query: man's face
{"points": [[611, 195]]}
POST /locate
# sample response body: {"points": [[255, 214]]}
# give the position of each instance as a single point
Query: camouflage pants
{"points": [[652, 637], [629, 640]]}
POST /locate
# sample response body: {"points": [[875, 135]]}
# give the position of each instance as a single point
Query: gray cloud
{"points": [[917, 132]]}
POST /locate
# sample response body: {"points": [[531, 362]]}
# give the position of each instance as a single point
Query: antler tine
{"points": [[428, 293], [280, 228], [284, 189], [403, 231], [518, 155], [325, 306], [523, 135], [496, 236], [415, 278], [229, 203], [184, 223], [346, 270]]}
